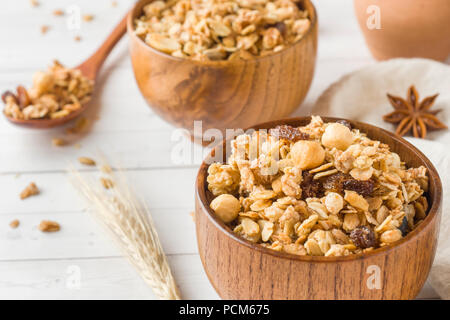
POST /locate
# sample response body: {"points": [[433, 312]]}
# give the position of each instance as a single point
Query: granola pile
{"points": [[55, 93], [324, 189], [222, 29]]}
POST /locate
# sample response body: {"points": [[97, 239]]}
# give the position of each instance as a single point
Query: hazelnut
{"points": [[42, 82], [226, 207], [337, 136], [307, 154]]}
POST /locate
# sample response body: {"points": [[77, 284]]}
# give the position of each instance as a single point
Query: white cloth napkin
{"points": [[439, 155], [361, 96]]}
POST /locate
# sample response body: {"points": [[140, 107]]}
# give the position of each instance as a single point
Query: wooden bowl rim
{"points": [[221, 63], [434, 179]]}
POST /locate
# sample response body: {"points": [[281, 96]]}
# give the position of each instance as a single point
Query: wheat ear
{"points": [[131, 226]]}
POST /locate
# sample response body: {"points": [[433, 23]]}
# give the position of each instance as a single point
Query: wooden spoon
{"points": [[90, 69]]}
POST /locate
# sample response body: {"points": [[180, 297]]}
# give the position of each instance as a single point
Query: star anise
{"points": [[412, 115]]}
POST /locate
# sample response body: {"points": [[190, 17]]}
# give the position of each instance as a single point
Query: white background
{"points": [[37, 265]]}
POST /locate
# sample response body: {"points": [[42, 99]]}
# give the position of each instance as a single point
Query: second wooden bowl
{"points": [[224, 94], [239, 269]]}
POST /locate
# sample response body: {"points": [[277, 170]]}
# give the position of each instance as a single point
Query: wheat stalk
{"points": [[131, 226]]}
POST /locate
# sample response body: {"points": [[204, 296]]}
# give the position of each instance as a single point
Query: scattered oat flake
{"points": [[88, 17], [29, 191], [105, 168], [114, 3], [44, 29], [77, 38], [34, 3], [79, 127], [49, 226], [58, 142], [86, 161], [14, 224], [107, 183], [77, 146], [58, 12]]}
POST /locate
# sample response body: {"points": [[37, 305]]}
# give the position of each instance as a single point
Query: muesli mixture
{"points": [[222, 29], [324, 189], [55, 93]]}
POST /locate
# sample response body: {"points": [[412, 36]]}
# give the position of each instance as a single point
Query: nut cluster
{"points": [[222, 29], [323, 189], [55, 93]]}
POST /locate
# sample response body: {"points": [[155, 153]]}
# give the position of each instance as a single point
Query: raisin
{"points": [[288, 133], [22, 96], [364, 188], [404, 227], [281, 26], [363, 237], [310, 188], [335, 182], [345, 123], [8, 93]]}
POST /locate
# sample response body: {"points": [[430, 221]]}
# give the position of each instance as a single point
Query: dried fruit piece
{"points": [[310, 188], [14, 224], [86, 161], [29, 191], [49, 226], [23, 97], [404, 227], [289, 133], [345, 123], [364, 188], [340, 182], [363, 237], [7, 94], [334, 183]]}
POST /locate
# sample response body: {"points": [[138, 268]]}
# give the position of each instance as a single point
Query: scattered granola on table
{"points": [[55, 93], [58, 142], [88, 17], [14, 224], [44, 29], [58, 12], [30, 190], [323, 189], [86, 161], [410, 115], [222, 29], [49, 226]]}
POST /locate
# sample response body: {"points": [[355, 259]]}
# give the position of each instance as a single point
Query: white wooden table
{"points": [[37, 265]]}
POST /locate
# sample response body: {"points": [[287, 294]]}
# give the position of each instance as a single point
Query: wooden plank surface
{"points": [[124, 129]]}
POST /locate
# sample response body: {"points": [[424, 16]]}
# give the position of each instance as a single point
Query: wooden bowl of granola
{"points": [[394, 268], [223, 94]]}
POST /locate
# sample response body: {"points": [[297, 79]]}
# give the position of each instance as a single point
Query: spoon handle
{"points": [[92, 65]]}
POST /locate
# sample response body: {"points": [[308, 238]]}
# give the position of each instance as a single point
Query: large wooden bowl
{"points": [[224, 94], [239, 269]]}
